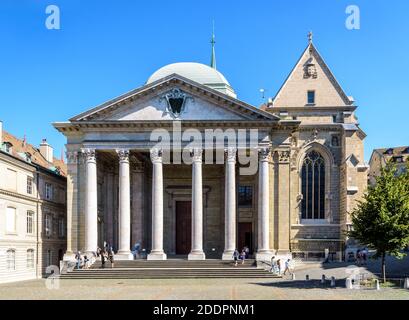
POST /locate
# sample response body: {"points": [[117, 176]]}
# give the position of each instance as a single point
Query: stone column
{"points": [[230, 205], [73, 158], [110, 208], [157, 252], [263, 248], [91, 203], [124, 252], [197, 207], [137, 234]]}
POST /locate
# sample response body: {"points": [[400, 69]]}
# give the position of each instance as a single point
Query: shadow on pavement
{"points": [[303, 284]]}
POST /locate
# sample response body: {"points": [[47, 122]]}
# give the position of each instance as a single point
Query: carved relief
{"points": [[231, 154], [73, 157], [89, 154], [175, 102], [264, 153], [156, 155], [310, 71], [284, 156], [123, 154], [196, 154]]}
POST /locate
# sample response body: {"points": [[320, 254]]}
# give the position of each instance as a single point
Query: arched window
{"points": [[313, 186]]}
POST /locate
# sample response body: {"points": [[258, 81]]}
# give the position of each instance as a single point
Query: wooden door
{"points": [[245, 236], [183, 227]]}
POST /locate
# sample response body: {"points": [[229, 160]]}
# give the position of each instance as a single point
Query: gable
{"points": [[156, 108], [150, 103], [311, 74]]}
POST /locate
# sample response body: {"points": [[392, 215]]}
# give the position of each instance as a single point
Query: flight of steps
{"points": [[169, 269]]}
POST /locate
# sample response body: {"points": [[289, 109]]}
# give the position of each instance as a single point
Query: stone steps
{"points": [[170, 269]]}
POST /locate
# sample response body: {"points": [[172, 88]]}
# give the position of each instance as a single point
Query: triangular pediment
{"points": [[153, 102], [311, 73]]}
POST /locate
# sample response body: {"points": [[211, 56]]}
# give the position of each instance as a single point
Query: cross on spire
{"points": [[310, 37], [213, 56]]}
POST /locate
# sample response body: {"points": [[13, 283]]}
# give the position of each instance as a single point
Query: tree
{"points": [[381, 219]]}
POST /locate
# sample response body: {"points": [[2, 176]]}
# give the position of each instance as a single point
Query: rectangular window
{"points": [[11, 220], [11, 179], [245, 196], [29, 185], [11, 260], [61, 228], [311, 97], [48, 191], [30, 222], [30, 258], [48, 225]]}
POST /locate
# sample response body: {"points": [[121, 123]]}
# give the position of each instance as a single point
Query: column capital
{"points": [[89, 154], [264, 153], [123, 155], [156, 155], [73, 157], [230, 154], [196, 154]]}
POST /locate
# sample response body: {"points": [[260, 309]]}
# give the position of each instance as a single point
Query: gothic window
{"points": [[313, 186]]}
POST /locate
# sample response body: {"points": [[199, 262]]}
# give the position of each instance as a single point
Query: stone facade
{"points": [[135, 198], [32, 190]]}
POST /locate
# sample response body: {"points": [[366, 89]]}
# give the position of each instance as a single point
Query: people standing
{"points": [[78, 258], [102, 260], [273, 264], [236, 255], [111, 258], [279, 266]]}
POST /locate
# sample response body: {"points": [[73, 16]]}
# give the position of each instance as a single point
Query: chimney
{"points": [[1, 133], [46, 151]]}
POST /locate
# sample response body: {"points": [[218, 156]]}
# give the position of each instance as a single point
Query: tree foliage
{"points": [[381, 219]]}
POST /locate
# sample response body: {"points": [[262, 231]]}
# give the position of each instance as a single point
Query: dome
{"points": [[197, 72]]}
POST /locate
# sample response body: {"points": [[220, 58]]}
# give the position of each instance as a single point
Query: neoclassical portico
{"points": [[157, 251]]}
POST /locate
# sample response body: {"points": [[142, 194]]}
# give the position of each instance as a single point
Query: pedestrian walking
{"points": [[243, 256], [287, 267], [78, 258], [273, 264], [102, 260]]}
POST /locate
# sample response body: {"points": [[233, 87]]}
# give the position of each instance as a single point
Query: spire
{"points": [[310, 37], [213, 57]]}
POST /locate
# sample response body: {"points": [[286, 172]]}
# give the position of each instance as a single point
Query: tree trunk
{"points": [[383, 268]]}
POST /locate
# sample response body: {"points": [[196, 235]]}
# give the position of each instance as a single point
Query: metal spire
{"points": [[213, 57]]}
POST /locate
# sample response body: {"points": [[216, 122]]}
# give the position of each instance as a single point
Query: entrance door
{"points": [[183, 227], [245, 236]]}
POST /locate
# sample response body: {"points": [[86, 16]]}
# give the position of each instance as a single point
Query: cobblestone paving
{"points": [[226, 289]]}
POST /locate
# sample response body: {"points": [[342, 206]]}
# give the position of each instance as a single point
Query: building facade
{"points": [[126, 182], [32, 209], [380, 157]]}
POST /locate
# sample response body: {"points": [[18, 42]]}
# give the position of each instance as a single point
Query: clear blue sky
{"points": [[105, 48]]}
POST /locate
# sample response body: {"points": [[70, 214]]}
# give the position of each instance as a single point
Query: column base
{"points": [[264, 255], [123, 256], [196, 256], [228, 255], [156, 256]]}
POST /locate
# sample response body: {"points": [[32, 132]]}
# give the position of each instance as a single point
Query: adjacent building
{"points": [[124, 187], [380, 157], [32, 208]]}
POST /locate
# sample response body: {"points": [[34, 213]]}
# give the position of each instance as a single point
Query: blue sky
{"points": [[105, 48]]}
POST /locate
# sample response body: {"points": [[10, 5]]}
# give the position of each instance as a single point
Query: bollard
{"points": [[348, 283], [293, 276], [323, 279], [332, 281], [406, 283], [377, 287], [307, 277]]}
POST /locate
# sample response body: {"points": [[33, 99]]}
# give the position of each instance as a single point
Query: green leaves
{"points": [[381, 219]]}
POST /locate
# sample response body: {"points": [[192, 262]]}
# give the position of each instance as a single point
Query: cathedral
{"points": [[132, 180]]}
